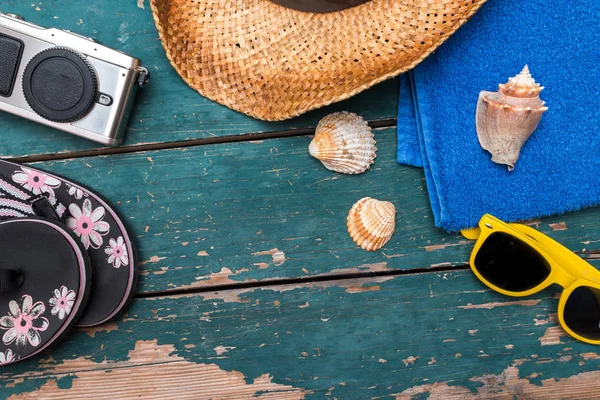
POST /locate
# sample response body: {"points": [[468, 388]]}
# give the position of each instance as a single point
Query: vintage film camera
{"points": [[67, 81]]}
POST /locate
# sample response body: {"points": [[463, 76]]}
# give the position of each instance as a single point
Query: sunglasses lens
{"points": [[510, 264], [582, 312]]}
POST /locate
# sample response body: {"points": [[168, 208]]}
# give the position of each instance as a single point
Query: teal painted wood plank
{"points": [[437, 336], [167, 110], [253, 211]]}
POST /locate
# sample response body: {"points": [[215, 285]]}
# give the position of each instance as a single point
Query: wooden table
{"points": [[250, 285]]}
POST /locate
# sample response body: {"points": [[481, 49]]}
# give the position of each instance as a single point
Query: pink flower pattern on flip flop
{"points": [[117, 252], [7, 357], [88, 224], [24, 323], [62, 302], [36, 181], [76, 192]]}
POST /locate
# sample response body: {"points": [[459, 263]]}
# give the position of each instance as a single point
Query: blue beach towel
{"points": [[559, 166]]}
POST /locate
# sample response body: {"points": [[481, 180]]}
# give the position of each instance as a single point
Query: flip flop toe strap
{"points": [[17, 202]]}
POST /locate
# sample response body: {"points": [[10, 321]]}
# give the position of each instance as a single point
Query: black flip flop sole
{"points": [[102, 232], [44, 303]]}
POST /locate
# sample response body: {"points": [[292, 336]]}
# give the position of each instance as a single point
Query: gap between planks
{"points": [[247, 137], [587, 255], [295, 281]]}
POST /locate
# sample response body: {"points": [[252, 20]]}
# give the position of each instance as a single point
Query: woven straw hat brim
{"points": [[274, 63]]}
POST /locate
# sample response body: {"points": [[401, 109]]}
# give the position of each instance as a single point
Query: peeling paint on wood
{"points": [[172, 377], [559, 226], [552, 336], [363, 289], [223, 349], [410, 360], [153, 260], [377, 267], [106, 327], [277, 255], [217, 279], [15, 382], [445, 245], [524, 303], [310, 350], [590, 356], [509, 386]]}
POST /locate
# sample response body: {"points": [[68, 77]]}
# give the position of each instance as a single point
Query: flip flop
{"points": [[100, 230], [44, 276]]}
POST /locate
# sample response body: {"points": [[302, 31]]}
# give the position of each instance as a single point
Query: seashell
{"points": [[371, 223], [505, 119], [344, 143]]}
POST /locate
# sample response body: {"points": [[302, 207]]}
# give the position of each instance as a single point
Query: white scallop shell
{"points": [[344, 143], [371, 223]]}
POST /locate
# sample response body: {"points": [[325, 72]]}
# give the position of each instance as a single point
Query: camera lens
{"points": [[60, 85]]}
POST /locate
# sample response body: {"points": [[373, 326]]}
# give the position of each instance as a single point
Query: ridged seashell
{"points": [[344, 143], [371, 223], [506, 118]]}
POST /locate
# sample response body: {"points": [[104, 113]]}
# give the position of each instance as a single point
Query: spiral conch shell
{"points": [[506, 118], [371, 223], [344, 143]]}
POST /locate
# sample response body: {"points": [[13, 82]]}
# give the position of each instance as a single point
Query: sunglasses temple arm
{"points": [[574, 264]]}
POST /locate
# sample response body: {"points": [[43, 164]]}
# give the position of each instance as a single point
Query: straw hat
{"points": [[274, 62]]}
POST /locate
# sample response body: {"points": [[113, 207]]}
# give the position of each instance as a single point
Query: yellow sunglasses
{"points": [[516, 260]]}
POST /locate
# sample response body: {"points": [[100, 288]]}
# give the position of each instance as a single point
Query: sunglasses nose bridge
{"points": [[562, 278]]}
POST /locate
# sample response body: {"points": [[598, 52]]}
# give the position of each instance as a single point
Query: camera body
{"points": [[67, 81]]}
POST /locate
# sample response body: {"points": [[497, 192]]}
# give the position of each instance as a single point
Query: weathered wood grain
{"points": [[227, 213], [439, 334], [253, 211], [167, 110]]}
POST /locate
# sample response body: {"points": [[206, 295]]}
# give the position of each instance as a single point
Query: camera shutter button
{"points": [[60, 85]]}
